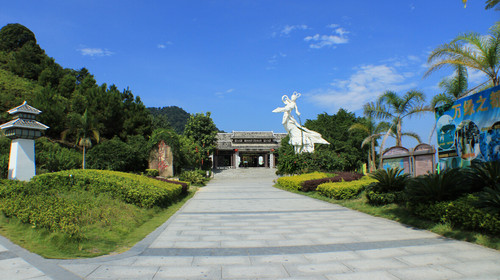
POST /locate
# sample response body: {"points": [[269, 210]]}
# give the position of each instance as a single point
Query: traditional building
{"points": [[247, 149]]}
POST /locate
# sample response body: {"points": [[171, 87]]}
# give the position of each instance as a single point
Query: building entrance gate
{"points": [[246, 149]]}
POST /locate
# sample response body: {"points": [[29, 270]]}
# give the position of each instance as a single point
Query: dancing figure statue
{"points": [[301, 138]]}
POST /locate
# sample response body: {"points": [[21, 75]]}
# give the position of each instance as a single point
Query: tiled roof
{"points": [[24, 108], [24, 123]]}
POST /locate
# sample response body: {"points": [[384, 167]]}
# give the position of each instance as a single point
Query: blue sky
{"points": [[236, 58]]}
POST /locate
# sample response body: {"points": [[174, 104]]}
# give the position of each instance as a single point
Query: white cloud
{"points": [[164, 45], [365, 85], [95, 52], [223, 93], [319, 41], [289, 28]]}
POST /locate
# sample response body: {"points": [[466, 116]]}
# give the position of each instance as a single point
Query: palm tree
{"points": [[471, 50], [84, 127], [374, 131], [453, 89], [390, 106], [489, 4]]}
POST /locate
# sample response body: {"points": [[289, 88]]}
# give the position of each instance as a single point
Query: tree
{"points": [[14, 35], [472, 50], [84, 127], [374, 131], [202, 130], [489, 4], [335, 130], [390, 106], [453, 89]]}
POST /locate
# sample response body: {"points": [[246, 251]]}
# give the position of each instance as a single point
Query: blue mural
{"points": [[469, 129]]}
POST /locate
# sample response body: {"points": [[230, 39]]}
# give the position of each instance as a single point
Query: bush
{"points": [[52, 157], [344, 190], [152, 172], [460, 213], [483, 175], [447, 185], [194, 177], [113, 155], [139, 190], [389, 180], [4, 156], [489, 199], [185, 185], [311, 185], [376, 198], [294, 182]]}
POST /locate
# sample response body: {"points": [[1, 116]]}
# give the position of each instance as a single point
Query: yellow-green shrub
{"points": [[294, 182], [139, 190], [344, 190]]}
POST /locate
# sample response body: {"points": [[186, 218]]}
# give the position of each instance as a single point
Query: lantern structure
{"points": [[23, 129]]}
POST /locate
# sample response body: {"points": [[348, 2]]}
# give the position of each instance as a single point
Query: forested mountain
{"points": [[27, 73], [172, 116]]}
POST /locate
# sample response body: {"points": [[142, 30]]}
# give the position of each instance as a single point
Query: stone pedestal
{"points": [[22, 159]]}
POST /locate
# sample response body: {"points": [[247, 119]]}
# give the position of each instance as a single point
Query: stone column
{"points": [[22, 159], [236, 157], [271, 160]]}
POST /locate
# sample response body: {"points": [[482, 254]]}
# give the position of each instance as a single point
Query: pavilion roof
{"points": [[24, 123], [24, 108]]}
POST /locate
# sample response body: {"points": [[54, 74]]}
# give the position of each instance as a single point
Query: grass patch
{"points": [[110, 226], [402, 215]]}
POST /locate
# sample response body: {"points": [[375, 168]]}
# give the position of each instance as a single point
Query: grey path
{"points": [[240, 227]]}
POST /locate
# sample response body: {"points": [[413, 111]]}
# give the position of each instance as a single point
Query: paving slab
{"points": [[240, 227]]}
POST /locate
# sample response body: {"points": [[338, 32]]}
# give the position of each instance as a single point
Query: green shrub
{"points": [[389, 180], [489, 199], [344, 190], [376, 198], [194, 177], [152, 172], [52, 157], [4, 156], [483, 175], [294, 182], [460, 213], [139, 190], [447, 185], [312, 185], [114, 155]]}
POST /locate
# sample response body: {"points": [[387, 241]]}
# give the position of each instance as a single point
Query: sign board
{"points": [[469, 129]]}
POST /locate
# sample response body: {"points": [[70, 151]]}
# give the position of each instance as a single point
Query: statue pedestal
{"points": [[22, 159]]}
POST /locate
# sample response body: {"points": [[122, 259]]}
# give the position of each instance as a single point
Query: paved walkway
{"points": [[240, 227]]}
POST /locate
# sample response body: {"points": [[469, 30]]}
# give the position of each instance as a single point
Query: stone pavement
{"points": [[240, 227]]}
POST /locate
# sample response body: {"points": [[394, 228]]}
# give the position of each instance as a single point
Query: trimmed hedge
{"points": [[185, 185], [344, 190], [130, 188], [294, 182], [460, 213], [311, 185]]}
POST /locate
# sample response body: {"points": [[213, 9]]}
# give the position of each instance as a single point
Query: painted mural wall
{"points": [[469, 130]]}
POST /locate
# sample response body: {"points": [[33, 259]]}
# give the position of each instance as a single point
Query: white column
{"points": [[237, 160], [271, 161], [22, 159]]}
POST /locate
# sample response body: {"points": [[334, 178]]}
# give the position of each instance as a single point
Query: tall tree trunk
{"points": [[398, 134], [373, 167], [83, 160]]}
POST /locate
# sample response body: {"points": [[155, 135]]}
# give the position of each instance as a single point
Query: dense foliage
{"points": [[70, 201], [344, 189], [343, 154], [175, 117], [201, 129], [311, 185]]}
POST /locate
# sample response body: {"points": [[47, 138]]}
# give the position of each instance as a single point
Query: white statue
{"points": [[301, 138]]}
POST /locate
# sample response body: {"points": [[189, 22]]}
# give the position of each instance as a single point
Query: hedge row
{"points": [[344, 190], [461, 213], [130, 188], [294, 182], [46, 211], [311, 185]]}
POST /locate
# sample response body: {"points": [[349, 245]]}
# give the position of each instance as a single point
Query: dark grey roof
{"points": [[24, 123], [24, 108]]}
